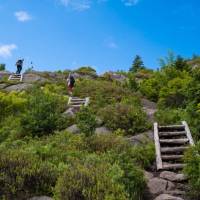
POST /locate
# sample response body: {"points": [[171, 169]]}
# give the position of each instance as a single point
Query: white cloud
{"points": [[112, 45], [22, 16], [6, 50], [130, 2], [78, 5]]}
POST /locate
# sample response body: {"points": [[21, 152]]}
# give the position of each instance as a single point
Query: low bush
{"points": [[86, 121], [23, 175], [170, 116], [126, 117], [43, 114], [192, 169], [93, 179]]}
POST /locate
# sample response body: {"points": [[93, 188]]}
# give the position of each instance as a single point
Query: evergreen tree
{"points": [[2, 67], [137, 64]]}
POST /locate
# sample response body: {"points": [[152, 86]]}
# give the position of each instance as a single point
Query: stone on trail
{"points": [[171, 176], [158, 185], [148, 175], [69, 112], [167, 197]]}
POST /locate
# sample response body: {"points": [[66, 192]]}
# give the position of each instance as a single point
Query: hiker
{"points": [[19, 65], [70, 83]]}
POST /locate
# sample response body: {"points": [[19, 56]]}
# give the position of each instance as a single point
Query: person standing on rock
{"points": [[70, 83], [19, 65]]}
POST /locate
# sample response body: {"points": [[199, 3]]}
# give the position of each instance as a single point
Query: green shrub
{"points": [[174, 94], [43, 114], [86, 121], [86, 70], [93, 179], [12, 103], [23, 175], [126, 117], [101, 92], [192, 169], [170, 116]]}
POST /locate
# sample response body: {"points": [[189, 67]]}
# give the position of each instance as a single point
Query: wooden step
{"points": [[171, 127], [76, 105], [174, 141], [78, 102], [172, 157], [169, 166], [173, 149], [175, 133]]}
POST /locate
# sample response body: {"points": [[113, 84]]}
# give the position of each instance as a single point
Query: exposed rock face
{"points": [[171, 176], [150, 108], [41, 198], [18, 87], [167, 197], [3, 85], [102, 130], [159, 186], [33, 77], [73, 129]]}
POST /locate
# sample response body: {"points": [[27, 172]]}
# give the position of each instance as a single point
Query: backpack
{"points": [[72, 80]]}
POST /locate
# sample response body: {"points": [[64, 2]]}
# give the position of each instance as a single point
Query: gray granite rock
{"points": [[70, 112], [102, 130], [157, 186], [171, 176], [73, 129], [167, 197], [148, 175], [18, 87]]}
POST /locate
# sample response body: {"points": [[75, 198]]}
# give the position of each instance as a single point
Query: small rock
{"points": [[102, 130], [41, 198], [73, 129], [69, 112], [171, 176], [158, 185], [176, 192], [148, 175], [167, 197]]}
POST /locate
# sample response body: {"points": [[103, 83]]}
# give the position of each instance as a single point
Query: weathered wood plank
{"points": [[173, 149], [173, 166], [157, 146], [174, 141], [188, 133], [172, 157], [175, 133]]}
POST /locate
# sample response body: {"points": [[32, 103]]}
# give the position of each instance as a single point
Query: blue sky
{"points": [[106, 34]]}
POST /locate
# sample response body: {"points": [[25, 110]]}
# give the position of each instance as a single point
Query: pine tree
{"points": [[137, 64]]}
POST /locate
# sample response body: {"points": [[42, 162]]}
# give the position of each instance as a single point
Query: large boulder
{"points": [[41, 198], [73, 129], [141, 138], [158, 186], [18, 87], [102, 130], [167, 197], [171, 176]]}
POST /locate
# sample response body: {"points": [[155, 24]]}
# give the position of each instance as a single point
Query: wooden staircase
{"points": [[76, 102], [171, 142], [16, 77]]}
